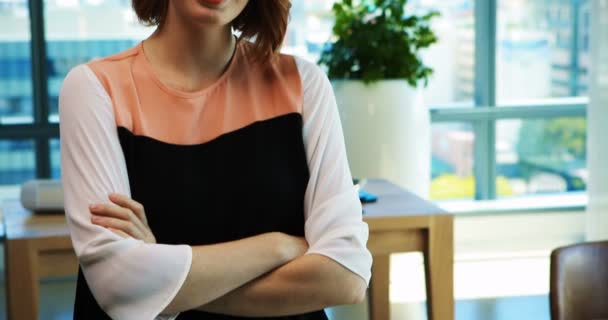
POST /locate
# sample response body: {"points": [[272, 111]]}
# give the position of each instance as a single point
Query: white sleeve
{"points": [[129, 278], [334, 226]]}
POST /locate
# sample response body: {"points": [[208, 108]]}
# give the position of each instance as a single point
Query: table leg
{"points": [[439, 269], [379, 304], [21, 280]]}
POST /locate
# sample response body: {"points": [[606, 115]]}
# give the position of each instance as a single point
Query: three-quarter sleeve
{"points": [[129, 279], [334, 226]]}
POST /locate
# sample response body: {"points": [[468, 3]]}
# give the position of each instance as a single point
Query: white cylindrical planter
{"points": [[387, 132]]}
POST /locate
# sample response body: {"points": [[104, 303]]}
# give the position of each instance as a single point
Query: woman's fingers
{"points": [[123, 219], [112, 211], [126, 202], [119, 232], [130, 212], [109, 210], [125, 226]]}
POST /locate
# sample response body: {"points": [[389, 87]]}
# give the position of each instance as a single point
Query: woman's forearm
{"points": [[221, 268], [308, 283]]}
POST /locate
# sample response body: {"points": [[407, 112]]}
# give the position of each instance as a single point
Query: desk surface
{"points": [[38, 245], [20, 223], [393, 201]]}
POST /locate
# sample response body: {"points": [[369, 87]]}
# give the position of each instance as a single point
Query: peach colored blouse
{"points": [[134, 280]]}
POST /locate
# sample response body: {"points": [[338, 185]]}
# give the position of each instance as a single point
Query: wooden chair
{"points": [[579, 282]]}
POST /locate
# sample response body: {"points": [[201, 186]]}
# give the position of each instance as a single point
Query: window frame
{"points": [[482, 116], [485, 113], [40, 130]]}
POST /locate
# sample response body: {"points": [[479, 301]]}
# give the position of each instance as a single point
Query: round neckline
{"points": [[189, 94]]}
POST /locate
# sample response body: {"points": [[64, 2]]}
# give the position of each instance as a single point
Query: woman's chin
{"points": [[209, 12]]}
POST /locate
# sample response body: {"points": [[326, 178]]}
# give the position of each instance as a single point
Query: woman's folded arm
{"points": [[219, 269], [308, 283], [131, 279], [337, 266]]}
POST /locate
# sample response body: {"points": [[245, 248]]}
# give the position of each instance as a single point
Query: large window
{"points": [[16, 105], [542, 155], [452, 175], [508, 97], [74, 35], [15, 63], [309, 28], [453, 56], [16, 161], [542, 49], [34, 59], [55, 159], [531, 81]]}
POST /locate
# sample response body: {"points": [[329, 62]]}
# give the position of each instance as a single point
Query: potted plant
{"points": [[376, 70]]}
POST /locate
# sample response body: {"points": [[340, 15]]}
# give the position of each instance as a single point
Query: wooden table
{"points": [[36, 246], [402, 222], [39, 246]]}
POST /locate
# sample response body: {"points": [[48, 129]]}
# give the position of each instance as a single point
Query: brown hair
{"points": [[265, 21]]}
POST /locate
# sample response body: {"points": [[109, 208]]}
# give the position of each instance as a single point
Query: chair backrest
{"points": [[579, 282]]}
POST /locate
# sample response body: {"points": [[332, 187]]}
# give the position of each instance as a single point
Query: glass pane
{"points": [[75, 35], [452, 175], [15, 63], [541, 156], [542, 49], [453, 56], [309, 28], [17, 161], [55, 159]]}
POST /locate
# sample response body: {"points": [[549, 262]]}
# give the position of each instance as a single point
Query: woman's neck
{"points": [[189, 57]]}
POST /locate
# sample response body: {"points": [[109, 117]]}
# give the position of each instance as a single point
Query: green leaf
{"points": [[383, 47]]}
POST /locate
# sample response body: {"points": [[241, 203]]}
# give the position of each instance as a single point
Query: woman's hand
{"points": [[127, 218]]}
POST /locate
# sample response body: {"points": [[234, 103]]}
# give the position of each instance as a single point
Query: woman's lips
{"points": [[212, 2]]}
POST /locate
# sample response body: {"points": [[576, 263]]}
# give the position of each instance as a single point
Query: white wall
{"points": [[597, 209]]}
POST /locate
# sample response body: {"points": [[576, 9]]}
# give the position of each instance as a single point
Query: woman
{"points": [[194, 164]]}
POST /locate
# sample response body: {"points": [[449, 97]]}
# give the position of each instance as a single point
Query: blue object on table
{"points": [[364, 196], [367, 197]]}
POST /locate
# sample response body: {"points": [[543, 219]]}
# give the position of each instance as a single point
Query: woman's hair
{"points": [[265, 21]]}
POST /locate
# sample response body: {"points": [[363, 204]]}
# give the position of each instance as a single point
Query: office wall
{"points": [[597, 209]]}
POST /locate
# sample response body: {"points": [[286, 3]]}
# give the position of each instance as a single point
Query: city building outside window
{"points": [[508, 96]]}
